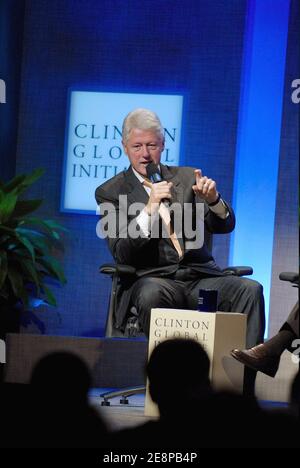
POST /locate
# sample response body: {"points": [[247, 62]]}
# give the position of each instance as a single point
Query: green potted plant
{"points": [[28, 253]]}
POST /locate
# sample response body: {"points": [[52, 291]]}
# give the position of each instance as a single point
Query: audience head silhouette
{"points": [[62, 374], [178, 367], [61, 413]]}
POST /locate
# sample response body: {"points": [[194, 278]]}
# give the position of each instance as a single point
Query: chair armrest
{"points": [[289, 276], [112, 268], [238, 270]]}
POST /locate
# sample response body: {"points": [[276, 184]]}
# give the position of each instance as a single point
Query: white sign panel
{"points": [[94, 152]]}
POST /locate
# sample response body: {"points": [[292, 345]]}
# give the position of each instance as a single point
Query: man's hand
{"points": [[159, 191], [205, 188]]}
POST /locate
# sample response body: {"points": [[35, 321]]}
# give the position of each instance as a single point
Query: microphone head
{"points": [[153, 173]]}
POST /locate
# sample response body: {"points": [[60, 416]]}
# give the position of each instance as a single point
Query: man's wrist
{"points": [[214, 203]]}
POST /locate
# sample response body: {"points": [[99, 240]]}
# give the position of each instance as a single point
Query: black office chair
{"points": [[292, 277], [118, 272], [127, 273]]}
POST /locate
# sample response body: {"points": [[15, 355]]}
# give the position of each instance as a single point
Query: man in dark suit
{"points": [[168, 275]]}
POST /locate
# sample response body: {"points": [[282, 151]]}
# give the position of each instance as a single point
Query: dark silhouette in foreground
{"points": [[53, 410], [192, 415]]}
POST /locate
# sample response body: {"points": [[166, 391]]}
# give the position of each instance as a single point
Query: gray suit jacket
{"points": [[158, 257]]}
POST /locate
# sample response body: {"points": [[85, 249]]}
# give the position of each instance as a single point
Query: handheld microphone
{"points": [[153, 173]]}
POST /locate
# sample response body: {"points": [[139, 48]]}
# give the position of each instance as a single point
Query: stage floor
{"points": [[119, 416]]}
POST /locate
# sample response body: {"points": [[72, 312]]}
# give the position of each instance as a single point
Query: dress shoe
{"points": [[258, 359]]}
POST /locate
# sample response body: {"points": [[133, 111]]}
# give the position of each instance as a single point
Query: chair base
{"points": [[123, 392]]}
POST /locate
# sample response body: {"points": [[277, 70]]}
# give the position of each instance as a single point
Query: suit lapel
{"points": [[177, 196], [137, 193], [134, 188], [177, 189]]}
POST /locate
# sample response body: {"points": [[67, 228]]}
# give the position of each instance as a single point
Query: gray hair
{"points": [[143, 119]]}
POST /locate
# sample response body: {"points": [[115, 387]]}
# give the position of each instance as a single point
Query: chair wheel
{"points": [[124, 401], [105, 403]]}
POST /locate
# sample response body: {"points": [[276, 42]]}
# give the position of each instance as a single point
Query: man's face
{"points": [[143, 147]]}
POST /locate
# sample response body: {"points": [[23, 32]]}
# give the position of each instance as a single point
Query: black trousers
{"points": [[235, 294]]}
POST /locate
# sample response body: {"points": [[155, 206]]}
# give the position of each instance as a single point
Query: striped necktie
{"points": [[166, 217]]}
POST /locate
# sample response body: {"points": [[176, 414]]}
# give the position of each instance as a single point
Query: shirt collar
{"points": [[139, 176]]}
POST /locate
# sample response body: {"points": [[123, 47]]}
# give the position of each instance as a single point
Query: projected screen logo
{"points": [[94, 152]]}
